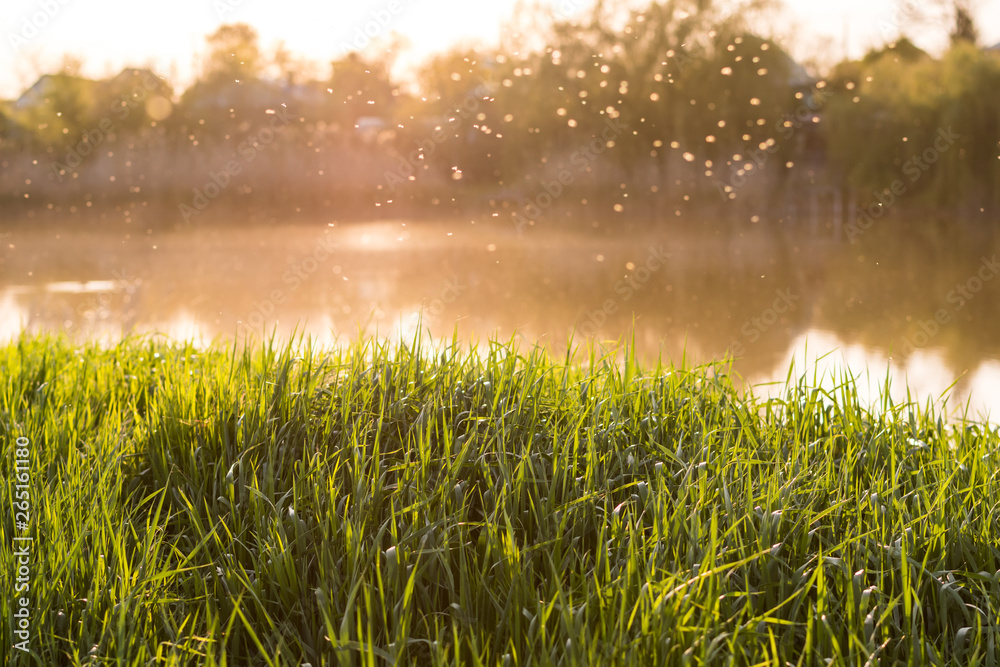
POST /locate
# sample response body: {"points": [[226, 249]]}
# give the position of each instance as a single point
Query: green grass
{"points": [[383, 503]]}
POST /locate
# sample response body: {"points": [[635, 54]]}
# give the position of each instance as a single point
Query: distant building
{"points": [[126, 81], [138, 79], [903, 49], [46, 86]]}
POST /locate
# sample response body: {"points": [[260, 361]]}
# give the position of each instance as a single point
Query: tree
{"points": [[932, 14], [359, 87], [930, 125], [456, 124], [134, 99], [230, 96], [680, 73], [964, 29], [233, 53], [58, 109]]}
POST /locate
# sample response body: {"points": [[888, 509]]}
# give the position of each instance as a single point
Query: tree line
{"points": [[678, 99]]}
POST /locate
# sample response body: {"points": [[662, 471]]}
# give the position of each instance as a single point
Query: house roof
{"points": [[36, 94], [38, 90]]}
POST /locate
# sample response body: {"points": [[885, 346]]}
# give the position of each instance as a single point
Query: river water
{"points": [[919, 302]]}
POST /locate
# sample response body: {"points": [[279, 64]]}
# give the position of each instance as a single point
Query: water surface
{"points": [[920, 300]]}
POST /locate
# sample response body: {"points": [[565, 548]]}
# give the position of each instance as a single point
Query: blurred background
{"points": [[760, 180]]}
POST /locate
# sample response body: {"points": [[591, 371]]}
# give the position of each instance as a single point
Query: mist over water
{"points": [[663, 170], [764, 292]]}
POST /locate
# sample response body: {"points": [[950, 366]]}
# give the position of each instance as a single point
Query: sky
{"points": [[108, 35]]}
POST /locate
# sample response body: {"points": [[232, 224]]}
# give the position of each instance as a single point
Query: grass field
{"points": [[390, 504]]}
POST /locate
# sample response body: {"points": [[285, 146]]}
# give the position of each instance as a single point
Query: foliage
{"points": [[233, 53], [396, 503], [679, 98], [59, 109], [360, 87], [889, 111]]}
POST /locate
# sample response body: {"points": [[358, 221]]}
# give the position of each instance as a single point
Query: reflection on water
{"points": [[922, 300]]}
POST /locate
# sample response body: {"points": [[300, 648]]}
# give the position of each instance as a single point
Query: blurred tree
{"points": [[680, 95], [672, 78], [9, 131], [358, 88], [932, 125], [750, 108], [965, 29], [958, 16], [902, 50], [233, 53], [230, 97], [656, 70], [58, 110], [454, 127], [284, 62], [968, 172], [286, 65], [135, 99], [870, 123]]}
